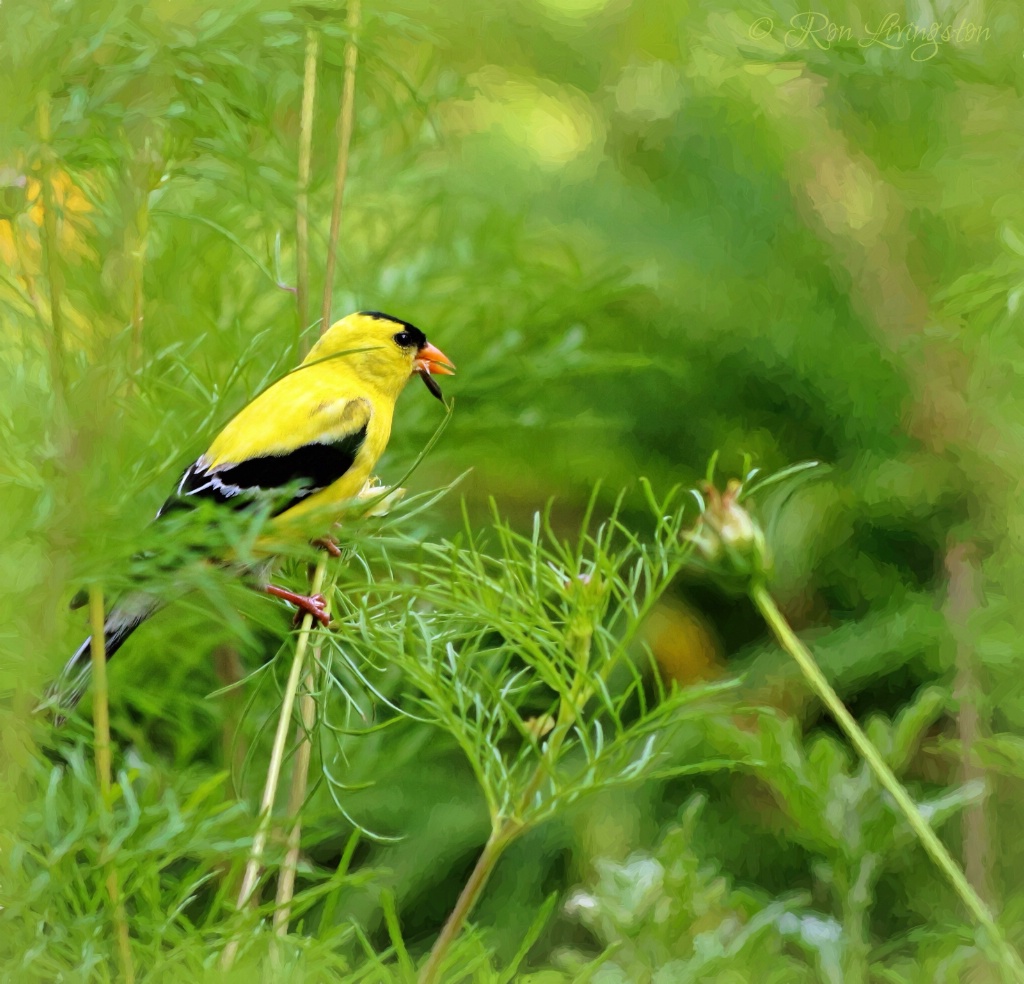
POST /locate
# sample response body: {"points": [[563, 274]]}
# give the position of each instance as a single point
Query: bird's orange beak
{"points": [[432, 361]]}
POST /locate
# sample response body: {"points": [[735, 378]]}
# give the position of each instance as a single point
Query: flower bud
{"points": [[727, 539]]}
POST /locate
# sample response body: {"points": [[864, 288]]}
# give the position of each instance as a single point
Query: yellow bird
{"points": [[311, 439]]}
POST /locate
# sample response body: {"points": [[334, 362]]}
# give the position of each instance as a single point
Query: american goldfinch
{"points": [[307, 443]]}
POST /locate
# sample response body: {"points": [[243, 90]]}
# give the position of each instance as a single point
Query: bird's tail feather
{"points": [[125, 617]]}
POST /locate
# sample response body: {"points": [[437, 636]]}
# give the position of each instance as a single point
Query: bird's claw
{"points": [[315, 605], [329, 544]]}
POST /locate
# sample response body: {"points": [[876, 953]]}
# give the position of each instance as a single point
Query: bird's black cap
{"points": [[415, 335]]}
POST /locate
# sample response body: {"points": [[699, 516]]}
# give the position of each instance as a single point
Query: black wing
{"points": [[293, 476]]}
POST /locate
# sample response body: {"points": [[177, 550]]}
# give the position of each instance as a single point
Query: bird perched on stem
{"points": [[304, 446]]}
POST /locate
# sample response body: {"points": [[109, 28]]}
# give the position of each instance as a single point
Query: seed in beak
{"points": [[431, 385]]}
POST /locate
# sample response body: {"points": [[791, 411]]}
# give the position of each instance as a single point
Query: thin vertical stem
{"points": [[55, 336], [100, 703], [346, 117], [854, 881], [963, 598], [1009, 958], [53, 341], [138, 264], [297, 794], [299, 784], [302, 196], [101, 728], [252, 869]]}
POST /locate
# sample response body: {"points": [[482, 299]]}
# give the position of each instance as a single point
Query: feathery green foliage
{"points": [[647, 234]]}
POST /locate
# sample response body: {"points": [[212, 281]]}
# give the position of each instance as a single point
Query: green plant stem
{"points": [[501, 836], [1010, 959], [346, 117], [302, 193], [252, 869], [54, 338], [962, 600], [503, 833], [506, 829], [138, 259], [100, 705], [296, 797], [101, 728], [297, 791]]}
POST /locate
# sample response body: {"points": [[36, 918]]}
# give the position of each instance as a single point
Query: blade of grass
{"points": [[230, 237], [532, 935], [331, 902], [387, 904]]}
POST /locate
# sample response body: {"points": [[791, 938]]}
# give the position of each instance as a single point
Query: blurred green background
{"points": [[644, 232]]}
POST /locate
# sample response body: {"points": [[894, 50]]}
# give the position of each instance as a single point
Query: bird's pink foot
{"points": [[315, 605]]}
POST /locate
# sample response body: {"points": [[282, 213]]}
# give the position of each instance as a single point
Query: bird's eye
{"points": [[404, 339]]}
